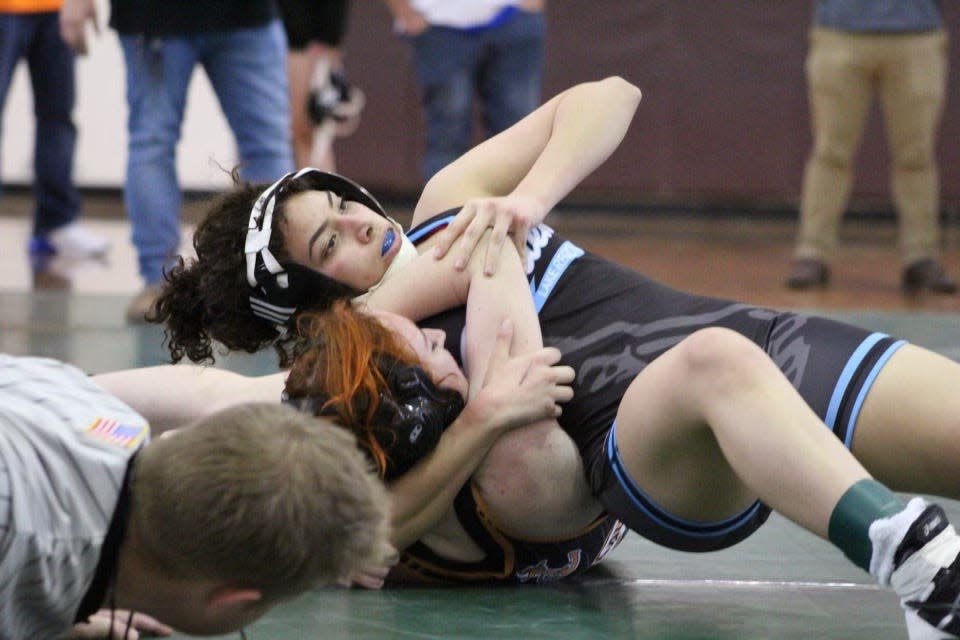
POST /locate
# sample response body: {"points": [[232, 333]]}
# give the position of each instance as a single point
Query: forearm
{"points": [[171, 396], [423, 288], [425, 493], [545, 155], [589, 124], [504, 295], [427, 286]]}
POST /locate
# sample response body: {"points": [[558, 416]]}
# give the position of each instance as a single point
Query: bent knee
{"points": [[715, 346], [716, 353]]}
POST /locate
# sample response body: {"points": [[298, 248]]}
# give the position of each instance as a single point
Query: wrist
{"points": [[481, 414], [542, 197]]}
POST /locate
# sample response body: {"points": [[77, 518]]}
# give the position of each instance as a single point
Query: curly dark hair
{"points": [[207, 299]]}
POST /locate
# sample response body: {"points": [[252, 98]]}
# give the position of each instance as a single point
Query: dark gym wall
{"points": [[724, 115]]}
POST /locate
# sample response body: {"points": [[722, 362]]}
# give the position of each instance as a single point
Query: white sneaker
{"points": [[75, 241]]}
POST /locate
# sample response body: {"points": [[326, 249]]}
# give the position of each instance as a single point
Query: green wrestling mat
{"points": [[780, 583]]}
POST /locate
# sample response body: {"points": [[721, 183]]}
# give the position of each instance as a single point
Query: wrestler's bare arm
{"points": [[175, 395], [511, 181], [427, 286], [522, 390]]}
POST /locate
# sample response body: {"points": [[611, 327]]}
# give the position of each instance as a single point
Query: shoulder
{"points": [[65, 420], [423, 229]]}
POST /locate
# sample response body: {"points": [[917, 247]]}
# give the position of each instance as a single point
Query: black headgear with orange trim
{"points": [[279, 289]]}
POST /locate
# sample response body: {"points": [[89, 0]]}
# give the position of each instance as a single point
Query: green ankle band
{"points": [[864, 502]]}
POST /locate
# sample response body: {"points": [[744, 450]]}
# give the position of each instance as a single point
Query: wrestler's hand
{"points": [[98, 626], [511, 215], [523, 389], [373, 576], [74, 15]]}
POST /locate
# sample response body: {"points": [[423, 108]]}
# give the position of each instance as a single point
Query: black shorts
{"points": [[835, 392], [321, 21], [508, 560]]}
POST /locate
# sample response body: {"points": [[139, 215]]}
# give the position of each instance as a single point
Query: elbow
{"points": [[622, 87]]}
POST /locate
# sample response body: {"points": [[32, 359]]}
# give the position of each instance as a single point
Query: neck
{"points": [[137, 582], [143, 586], [193, 605]]}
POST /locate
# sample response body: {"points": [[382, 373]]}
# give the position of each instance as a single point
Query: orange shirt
{"points": [[29, 6]]}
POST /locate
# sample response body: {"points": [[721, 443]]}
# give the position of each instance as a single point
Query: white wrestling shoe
{"points": [[924, 569]]}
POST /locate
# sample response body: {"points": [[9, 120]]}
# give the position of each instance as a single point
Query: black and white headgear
{"points": [[279, 289]]}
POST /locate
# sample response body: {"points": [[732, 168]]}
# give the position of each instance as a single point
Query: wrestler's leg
{"points": [[712, 425], [534, 484], [908, 431]]}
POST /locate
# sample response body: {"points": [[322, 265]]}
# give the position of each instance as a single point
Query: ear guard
{"points": [[410, 417], [280, 289]]}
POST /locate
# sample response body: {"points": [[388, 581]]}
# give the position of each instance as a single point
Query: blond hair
{"points": [[259, 496]]}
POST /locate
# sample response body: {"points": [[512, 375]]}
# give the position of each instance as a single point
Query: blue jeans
{"points": [[247, 72], [502, 65], [35, 37]]}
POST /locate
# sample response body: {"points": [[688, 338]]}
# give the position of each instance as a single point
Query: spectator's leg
{"points": [[913, 90], [14, 36], [445, 62], [158, 74], [246, 69], [840, 93], [51, 64], [511, 74]]}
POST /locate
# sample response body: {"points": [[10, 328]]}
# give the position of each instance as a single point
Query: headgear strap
{"points": [[260, 229], [279, 289]]}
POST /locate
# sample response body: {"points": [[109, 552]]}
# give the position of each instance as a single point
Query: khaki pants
{"points": [[844, 70]]}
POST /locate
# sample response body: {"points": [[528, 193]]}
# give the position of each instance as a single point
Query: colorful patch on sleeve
{"points": [[124, 435]]}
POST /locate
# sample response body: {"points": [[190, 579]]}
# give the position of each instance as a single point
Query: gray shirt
{"points": [[64, 448], [875, 16]]}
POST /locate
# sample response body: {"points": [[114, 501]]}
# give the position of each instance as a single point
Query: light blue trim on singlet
{"points": [[840, 389], [426, 229], [565, 254], [844, 380], [562, 258], [868, 383], [643, 502]]}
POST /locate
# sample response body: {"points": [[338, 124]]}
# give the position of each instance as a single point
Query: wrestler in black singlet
{"points": [[609, 322]]}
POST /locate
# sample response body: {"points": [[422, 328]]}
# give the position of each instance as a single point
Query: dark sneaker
{"points": [[926, 576], [927, 274], [807, 273]]}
